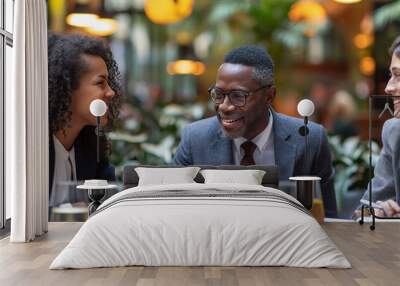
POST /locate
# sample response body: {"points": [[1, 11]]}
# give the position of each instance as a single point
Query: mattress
{"points": [[201, 225]]}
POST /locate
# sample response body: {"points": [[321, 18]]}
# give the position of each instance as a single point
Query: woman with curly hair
{"points": [[81, 69]]}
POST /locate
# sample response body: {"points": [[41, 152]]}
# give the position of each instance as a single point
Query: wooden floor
{"points": [[374, 255]]}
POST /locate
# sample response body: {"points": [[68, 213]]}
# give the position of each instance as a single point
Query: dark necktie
{"points": [[249, 148]]}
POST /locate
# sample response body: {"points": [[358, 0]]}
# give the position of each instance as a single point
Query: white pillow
{"points": [[249, 177], [163, 176]]}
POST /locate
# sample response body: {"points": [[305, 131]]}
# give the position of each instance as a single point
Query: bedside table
{"points": [[96, 192]]}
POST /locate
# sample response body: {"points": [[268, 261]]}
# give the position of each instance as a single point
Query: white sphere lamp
{"points": [[305, 108], [98, 107]]}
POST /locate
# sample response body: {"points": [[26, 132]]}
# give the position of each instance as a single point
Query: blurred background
{"points": [[333, 52]]}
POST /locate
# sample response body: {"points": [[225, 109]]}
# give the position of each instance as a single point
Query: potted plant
{"points": [[351, 163]]}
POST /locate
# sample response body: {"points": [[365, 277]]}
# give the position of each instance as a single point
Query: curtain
{"points": [[27, 123]]}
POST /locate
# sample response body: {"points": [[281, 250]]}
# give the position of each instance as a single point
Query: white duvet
{"points": [[239, 228]]}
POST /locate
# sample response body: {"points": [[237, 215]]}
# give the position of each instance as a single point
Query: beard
{"points": [[232, 134]]}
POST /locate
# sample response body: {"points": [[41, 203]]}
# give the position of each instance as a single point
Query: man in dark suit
{"points": [[247, 131]]}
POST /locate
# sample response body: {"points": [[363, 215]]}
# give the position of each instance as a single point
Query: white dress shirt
{"points": [[264, 153], [64, 160]]}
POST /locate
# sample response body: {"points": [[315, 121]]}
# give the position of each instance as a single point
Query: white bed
{"points": [[201, 224]]}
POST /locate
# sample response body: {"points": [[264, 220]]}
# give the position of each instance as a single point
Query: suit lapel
{"points": [[220, 151], [285, 150]]}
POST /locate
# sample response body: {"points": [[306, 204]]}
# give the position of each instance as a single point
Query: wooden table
{"points": [[374, 255]]}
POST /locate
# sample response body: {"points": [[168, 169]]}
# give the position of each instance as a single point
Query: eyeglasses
{"points": [[237, 97]]}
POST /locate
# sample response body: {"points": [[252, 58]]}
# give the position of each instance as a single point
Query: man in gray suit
{"points": [[247, 131], [386, 181]]}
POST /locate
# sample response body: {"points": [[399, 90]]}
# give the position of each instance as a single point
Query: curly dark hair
{"points": [[65, 68]]}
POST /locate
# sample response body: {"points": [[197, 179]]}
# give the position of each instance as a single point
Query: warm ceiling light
{"points": [[347, 1], [168, 11], [363, 41], [308, 11], [367, 66], [186, 67], [103, 27], [82, 20]]}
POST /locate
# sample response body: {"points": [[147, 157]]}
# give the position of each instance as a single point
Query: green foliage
{"points": [[270, 16], [351, 163], [272, 26], [153, 139], [222, 11], [386, 14]]}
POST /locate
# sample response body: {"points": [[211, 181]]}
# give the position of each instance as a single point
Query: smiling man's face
{"points": [[249, 120], [393, 85]]}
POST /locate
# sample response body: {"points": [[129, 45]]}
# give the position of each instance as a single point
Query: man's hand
{"points": [[390, 209]]}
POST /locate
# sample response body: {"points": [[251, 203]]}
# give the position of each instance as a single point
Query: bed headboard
{"points": [[270, 179]]}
